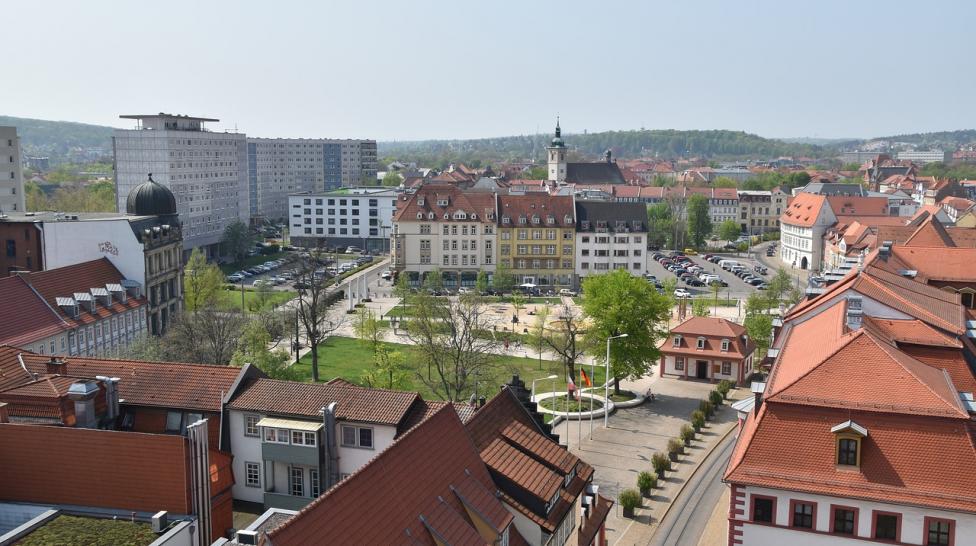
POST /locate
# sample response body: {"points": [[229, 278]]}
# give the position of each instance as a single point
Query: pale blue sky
{"points": [[457, 69]]}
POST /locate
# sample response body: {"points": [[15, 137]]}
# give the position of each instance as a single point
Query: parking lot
{"points": [[281, 273], [737, 288]]}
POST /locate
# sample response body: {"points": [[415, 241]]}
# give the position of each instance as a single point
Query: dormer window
{"points": [[550, 220], [431, 215], [701, 343], [848, 438], [420, 216], [676, 342], [506, 220], [522, 220], [586, 224], [725, 345], [420, 201], [443, 202], [568, 220], [535, 219]]}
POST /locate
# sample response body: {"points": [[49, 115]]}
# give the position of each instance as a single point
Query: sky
{"points": [[419, 69]]}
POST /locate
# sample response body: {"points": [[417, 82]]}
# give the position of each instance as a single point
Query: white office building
{"points": [[925, 156], [359, 217], [204, 170], [278, 167], [11, 174]]}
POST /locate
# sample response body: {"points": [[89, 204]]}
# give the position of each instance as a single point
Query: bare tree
{"points": [[565, 338], [451, 336], [206, 336], [314, 300]]}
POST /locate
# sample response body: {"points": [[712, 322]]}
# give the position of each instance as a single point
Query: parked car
{"points": [[386, 275], [567, 292], [235, 278], [691, 281], [352, 249], [682, 293], [691, 252]]}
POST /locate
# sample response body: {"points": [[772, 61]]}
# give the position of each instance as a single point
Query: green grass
{"points": [[722, 302], [348, 358], [66, 530], [251, 261], [624, 396], [231, 299], [564, 403]]}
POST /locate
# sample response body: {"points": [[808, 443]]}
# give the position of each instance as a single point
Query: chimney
{"points": [[57, 366], [885, 250], [331, 477], [83, 394], [757, 392], [855, 314], [111, 395]]}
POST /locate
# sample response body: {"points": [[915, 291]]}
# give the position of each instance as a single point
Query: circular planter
{"points": [[628, 512]]}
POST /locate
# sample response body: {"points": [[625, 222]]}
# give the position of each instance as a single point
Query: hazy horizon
{"points": [[447, 70]]}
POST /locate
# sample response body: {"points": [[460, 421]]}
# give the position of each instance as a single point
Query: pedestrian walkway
{"points": [[620, 452]]}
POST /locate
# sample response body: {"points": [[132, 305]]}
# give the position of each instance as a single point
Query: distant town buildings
{"points": [[358, 217], [925, 156], [11, 172], [759, 211]]}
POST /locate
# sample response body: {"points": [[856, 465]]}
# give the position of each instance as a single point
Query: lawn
{"points": [[348, 358], [564, 403], [90, 531], [251, 261], [231, 299], [722, 302]]}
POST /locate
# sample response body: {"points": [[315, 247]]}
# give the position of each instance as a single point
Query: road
{"points": [[686, 520]]}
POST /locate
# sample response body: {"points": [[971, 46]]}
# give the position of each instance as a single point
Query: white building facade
{"points": [[11, 172], [205, 171], [277, 167], [359, 217], [610, 236], [925, 156], [802, 228]]}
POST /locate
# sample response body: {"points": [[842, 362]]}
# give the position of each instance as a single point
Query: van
{"points": [[727, 264]]}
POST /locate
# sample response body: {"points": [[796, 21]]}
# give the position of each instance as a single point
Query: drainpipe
{"points": [[331, 449]]}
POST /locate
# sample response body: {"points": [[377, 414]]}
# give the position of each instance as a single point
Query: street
{"points": [[689, 514]]}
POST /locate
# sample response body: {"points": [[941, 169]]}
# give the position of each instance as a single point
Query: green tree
{"points": [[850, 167], [759, 325], [392, 178], [502, 280], [668, 286], [619, 303], [202, 282], [264, 293], [715, 287], [779, 285], [368, 329], [536, 173], [537, 334], [724, 182], [237, 240], [728, 230], [434, 282], [699, 307], [660, 225], [388, 369], [481, 282], [252, 348], [699, 222]]}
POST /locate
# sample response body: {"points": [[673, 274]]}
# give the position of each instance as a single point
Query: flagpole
{"points": [[592, 377], [579, 420]]}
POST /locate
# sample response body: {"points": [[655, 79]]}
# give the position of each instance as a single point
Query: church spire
{"points": [[558, 131]]}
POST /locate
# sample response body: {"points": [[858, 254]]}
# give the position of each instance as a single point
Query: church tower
{"points": [[557, 157]]}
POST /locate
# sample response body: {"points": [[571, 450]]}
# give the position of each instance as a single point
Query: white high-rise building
{"points": [[11, 174], [277, 167], [205, 171]]}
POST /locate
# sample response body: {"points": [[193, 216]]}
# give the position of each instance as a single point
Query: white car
{"points": [[566, 292], [387, 275], [235, 278], [682, 293]]}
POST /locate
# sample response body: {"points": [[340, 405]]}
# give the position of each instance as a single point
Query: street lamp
{"points": [[606, 386], [553, 376]]}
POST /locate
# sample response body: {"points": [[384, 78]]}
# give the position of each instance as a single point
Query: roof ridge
{"points": [[955, 403], [44, 300]]}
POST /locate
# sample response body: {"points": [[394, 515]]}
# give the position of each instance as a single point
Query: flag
{"points": [[586, 378]]}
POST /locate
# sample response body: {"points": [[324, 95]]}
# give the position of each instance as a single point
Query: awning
{"points": [[274, 422]]}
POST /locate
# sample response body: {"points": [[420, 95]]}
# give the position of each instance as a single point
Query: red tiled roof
{"points": [[939, 263], [803, 210], [714, 330], [843, 205], [480, 203], [12, 373], [34, 321], [558, 208], [156, 384], [82, 277], [418, 489], [913, 331], [951, 360], [295, 398]]}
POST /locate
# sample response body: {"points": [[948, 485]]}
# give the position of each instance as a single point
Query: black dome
{"points": [[150, 199]]}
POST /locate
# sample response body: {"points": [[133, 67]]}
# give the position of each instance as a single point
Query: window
{"points": [[296, 481], [251, 424], [847, 451], [676, 342], [679, 364], [726, 367], [357, 437], [843, 520], [887, 526], [725, 345], [303, 438], [174, 421], [763, 509], [701, 343], [803, 515], [313, 481], [939, 532], [252, 474], [275, 435]]}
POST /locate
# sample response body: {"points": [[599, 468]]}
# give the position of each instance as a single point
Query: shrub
{"points": [[646, 481], [687, 433], [661, 463], [715, 398], [706, 408], [675, 445], [697, 420], [629, 499], [724, 386]]}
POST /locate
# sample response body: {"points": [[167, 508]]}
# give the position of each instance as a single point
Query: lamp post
{"points": [[606, 385], [553, 376]]}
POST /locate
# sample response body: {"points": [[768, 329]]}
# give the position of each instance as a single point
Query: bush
{"points": [[715, 398], [661, 463], [629, 499], [706, 408], [697, 420], [646, 481], [675, 445], [687, 433], [724, 386]]}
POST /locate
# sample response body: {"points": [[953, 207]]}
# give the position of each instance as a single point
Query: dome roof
{"points": [[150, 199]]}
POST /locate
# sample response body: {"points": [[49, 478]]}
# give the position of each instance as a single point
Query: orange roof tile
{"points": [[803, 210]]}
